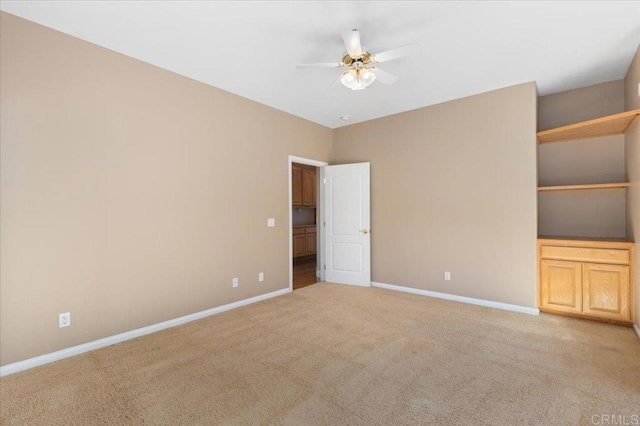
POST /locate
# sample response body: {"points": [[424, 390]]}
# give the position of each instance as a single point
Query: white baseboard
{"points": [[636, 329], [481, 302], [107, 341]]}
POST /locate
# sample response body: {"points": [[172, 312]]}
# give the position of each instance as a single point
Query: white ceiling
{"points": [[251, 48]]}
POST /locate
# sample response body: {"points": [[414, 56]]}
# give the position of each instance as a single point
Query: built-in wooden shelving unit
{"points": [[587, 277], [590, 186], [610, 125]]}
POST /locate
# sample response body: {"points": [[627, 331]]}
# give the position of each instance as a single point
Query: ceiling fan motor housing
{"points": [[365, 58]]}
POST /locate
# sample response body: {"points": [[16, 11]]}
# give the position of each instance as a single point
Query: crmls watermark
{"points": [[615, 419]]}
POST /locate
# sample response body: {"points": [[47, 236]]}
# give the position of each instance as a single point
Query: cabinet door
{"points": [[296, 186], [309, 187], [311, 243], [561, 285], [606, 291], [299, 245]]}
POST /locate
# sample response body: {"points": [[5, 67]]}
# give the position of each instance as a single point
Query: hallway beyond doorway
{"points": [[304, 273]]}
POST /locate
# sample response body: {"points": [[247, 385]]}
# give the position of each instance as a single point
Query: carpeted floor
{"points": [[333, 354]]}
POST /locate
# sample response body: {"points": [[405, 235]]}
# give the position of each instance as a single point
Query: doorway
{"points": [[340, 229], [304, 219]]}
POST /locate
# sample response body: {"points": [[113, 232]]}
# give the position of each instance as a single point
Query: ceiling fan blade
{"points": [[321, 65], [399, 52], [352, 43], [384, 77], [335, 83]]}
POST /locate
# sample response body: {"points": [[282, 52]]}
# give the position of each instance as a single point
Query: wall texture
{"points": [[582, 213], [454, 189], [131, 195], [632, 156]]}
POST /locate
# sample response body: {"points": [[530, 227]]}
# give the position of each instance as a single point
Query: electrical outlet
{"points": [[447, 276], [261, 276], [64, 320], [235, 282]]}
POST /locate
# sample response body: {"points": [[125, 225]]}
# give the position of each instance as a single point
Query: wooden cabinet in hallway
{"points": [[303, 185]]}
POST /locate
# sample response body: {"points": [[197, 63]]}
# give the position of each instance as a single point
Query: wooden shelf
{"points": [[586, 241], [611, 125], [579, 187]]}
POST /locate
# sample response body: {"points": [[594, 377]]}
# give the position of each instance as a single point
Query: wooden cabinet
{"points": [[296, 185], [561, 285], [304, 241], [606, 291], [303, 185], [299, 242], [586, 278], [310, 234], [309, 187]]}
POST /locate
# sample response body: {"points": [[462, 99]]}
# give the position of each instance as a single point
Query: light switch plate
{"points": [[271, 222]]}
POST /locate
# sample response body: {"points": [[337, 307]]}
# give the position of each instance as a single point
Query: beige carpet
{"points": [[333, 354]]}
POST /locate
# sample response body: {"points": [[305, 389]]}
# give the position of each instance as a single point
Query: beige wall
{"points": [[582, 213], [585, 103], [131, 195], [632, 147], [454, 189]]}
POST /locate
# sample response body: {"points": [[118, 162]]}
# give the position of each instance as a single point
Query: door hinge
{"points": [[324, 223], [325, 267], [324, 180]]}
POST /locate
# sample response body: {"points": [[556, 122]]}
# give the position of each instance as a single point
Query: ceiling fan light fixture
{"points": [[361, 65], [367, 76], [348, 78], [358, 78]]}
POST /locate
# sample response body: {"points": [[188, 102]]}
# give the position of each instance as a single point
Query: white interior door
{"points": [[347, 224]]}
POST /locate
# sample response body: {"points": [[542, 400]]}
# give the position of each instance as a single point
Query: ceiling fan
{"points": [[362, 69]]}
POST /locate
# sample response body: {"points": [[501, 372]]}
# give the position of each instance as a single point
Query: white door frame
{"points": [[319, 196]]}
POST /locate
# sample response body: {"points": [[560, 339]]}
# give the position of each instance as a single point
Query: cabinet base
{"points": [[586, 317]]}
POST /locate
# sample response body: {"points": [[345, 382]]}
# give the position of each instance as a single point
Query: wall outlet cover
{"points": [[64, 320]]}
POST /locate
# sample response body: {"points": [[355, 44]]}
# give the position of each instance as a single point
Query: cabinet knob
{"points": [[364, 231]]}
